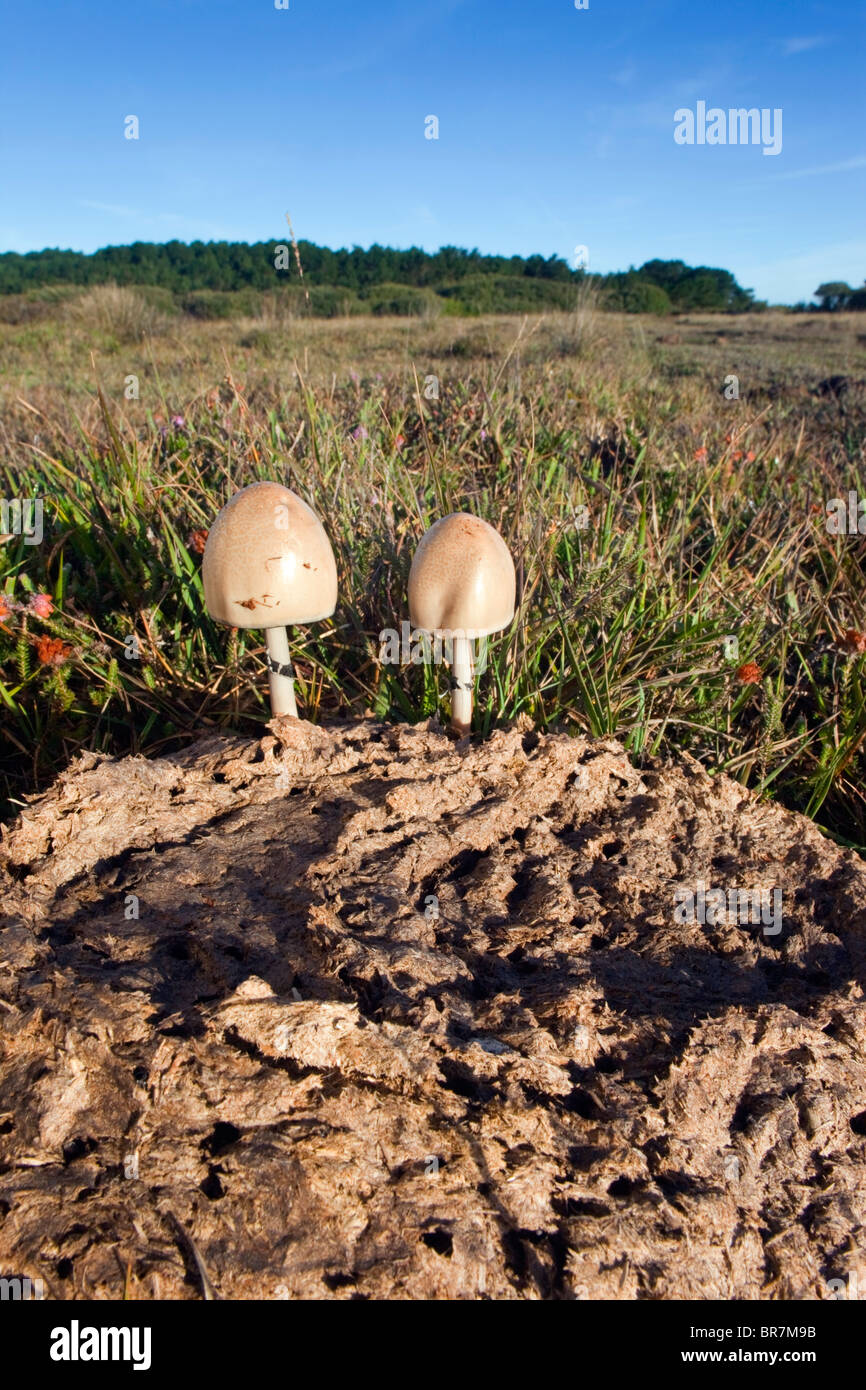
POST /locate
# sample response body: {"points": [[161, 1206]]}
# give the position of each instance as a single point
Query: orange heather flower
{"points": [[750, 457], [750, 674], [854, 641], [40, 605], [701, 453], [5, 610], [52, 652], [198, 540], [737, 455]]}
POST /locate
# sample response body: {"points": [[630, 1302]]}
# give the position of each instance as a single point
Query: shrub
{"points": [[404, 301], [631, 295], [221, 304], [327, 302], [127, 314], [498, 294]]}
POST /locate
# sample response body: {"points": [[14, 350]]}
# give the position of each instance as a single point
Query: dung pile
{"points": [[364, 1012]]}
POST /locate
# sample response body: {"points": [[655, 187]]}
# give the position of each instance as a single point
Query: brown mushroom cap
{"points": [[267, 561], [462, 578]]}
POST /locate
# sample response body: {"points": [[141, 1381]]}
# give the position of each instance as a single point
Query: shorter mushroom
{"points": [[269, 564], [462, 587]]}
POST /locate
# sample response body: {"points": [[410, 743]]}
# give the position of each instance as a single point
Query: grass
{"points": [[665, 537]]}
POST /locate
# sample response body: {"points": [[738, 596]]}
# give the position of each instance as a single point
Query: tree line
{"points": [[378, 279], [835, 295]]}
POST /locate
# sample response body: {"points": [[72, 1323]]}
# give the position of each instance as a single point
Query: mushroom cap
{"points": [[267, 561], [462, 578]]}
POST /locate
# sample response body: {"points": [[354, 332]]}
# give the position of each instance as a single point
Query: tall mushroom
{"points": [[268, 564], [461, 587]]}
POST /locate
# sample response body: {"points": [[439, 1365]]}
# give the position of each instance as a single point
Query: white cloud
{"points": [[626, 74], [178, 221], [113, 209], [842, 166], [790, 47]]}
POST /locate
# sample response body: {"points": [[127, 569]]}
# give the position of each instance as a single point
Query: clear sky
{"points": [[556, 128]]}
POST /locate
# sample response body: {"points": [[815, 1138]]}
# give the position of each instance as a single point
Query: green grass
{"points": [[540, 426]]}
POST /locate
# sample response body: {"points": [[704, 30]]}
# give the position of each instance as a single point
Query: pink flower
{"points": [[40, 606], [178, 421]]}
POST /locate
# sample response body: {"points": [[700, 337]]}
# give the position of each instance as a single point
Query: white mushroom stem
{"points": [[461, 693], [282, 679]]}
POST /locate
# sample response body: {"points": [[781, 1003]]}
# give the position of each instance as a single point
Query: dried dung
{"points": [[363, 1012]]}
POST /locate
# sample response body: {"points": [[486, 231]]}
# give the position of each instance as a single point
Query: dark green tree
{"points": [[834, 295]]}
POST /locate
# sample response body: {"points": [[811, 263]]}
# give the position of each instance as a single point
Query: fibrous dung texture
{"points": [[366, 1012]]}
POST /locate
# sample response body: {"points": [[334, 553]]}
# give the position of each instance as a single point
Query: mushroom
{"points": [[461, 587], [268, 564]]}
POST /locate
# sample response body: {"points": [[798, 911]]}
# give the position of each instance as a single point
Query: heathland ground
{"points": [[663, 485]]}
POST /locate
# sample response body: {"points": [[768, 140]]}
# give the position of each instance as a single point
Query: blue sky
{"points": [[555, 128]]}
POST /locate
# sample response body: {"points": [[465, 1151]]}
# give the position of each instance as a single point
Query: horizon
{"points": [[335, 250], [510, 131]]}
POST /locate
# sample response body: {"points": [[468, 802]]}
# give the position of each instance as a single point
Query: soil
{"points": [[365, 1012]]}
